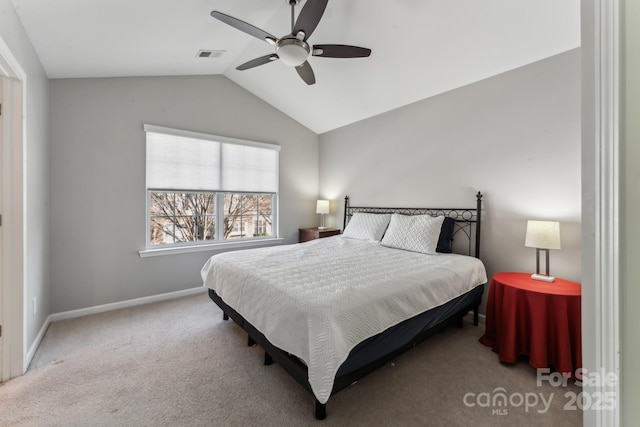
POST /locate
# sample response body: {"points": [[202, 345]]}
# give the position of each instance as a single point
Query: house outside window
{"points": [[205, 189]]}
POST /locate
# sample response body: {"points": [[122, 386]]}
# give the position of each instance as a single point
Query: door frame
{"points": [[2, 249], [12, 279], [601, 25]]}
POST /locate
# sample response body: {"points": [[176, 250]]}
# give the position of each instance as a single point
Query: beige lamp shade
{"points": [[543, 234], [322, 207]]}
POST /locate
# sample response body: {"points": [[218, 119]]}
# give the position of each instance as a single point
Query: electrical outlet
{"points": [[35, 305]]}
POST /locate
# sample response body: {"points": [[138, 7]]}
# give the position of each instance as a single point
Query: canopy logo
{"points": [[500, 401]]}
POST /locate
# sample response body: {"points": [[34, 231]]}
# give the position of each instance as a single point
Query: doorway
{"points": [[2, 294], [12, 341]]}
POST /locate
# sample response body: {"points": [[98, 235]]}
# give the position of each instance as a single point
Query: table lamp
{"points": [[542, 235], [322, 207]]}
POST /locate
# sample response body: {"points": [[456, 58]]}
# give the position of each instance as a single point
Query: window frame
{"points": [[217, 243]]}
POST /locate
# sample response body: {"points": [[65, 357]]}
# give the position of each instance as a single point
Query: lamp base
{"points": [[543, 278]]}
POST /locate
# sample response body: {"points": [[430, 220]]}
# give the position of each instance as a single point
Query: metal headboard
{"points": [[467, 220]]}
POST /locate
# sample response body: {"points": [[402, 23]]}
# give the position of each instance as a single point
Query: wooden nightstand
{"points": [[306, 234]]}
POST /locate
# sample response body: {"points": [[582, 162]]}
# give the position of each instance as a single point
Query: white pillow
{"points": [[366, 226], [416, 233]]}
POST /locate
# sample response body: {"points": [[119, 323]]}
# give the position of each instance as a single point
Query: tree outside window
{"points": [[191, 217]]}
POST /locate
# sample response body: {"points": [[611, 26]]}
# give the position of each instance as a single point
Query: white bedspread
{"points": [[318, 300]]}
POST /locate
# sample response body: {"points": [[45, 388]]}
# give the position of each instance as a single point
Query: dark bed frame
{"points": [[467, 222]]}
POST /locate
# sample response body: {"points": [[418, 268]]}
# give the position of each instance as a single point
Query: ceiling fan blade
{"points": [[258, 61], [306, 73], [309, 17], [244, 27], [340, 51]]}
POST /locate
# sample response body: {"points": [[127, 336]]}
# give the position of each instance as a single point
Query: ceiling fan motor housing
{"points": [[292, 51]]}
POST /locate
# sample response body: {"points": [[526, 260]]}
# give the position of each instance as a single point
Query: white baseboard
{"points": [[36, 343], [72, 314]]}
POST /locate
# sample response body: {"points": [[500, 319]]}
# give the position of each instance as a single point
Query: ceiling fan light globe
{"points": [[293, 52]]}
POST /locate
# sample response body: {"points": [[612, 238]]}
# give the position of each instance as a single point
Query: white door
{"points": [[2, 293], [12, 351]]}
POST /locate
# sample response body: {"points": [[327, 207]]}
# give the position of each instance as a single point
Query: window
{"points": [[247, 213], [181, 217], [208, 189]]}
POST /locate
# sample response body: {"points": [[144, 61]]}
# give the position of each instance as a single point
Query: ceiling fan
{"points": [[293, 49]]}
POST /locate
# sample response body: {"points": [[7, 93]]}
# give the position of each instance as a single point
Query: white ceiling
{"points": [[420, 47]]}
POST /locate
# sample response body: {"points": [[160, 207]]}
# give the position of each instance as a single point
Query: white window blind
{"points": [[183, 160]]}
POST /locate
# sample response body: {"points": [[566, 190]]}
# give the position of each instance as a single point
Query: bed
{"points": [[331, 310]]}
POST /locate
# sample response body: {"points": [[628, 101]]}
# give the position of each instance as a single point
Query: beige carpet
{"points": [[177, 363]]}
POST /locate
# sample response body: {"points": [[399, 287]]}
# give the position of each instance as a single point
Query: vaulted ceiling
{"points": [[420, 48]]}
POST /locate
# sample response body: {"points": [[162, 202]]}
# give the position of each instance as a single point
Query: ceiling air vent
{"points": [[206, 53]]}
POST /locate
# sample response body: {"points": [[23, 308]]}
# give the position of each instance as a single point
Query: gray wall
{"points": [[515, 137], [98, 178], [630, 248], [36, 167]]}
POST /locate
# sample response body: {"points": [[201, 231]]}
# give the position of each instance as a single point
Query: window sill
{"points": [[220, 246]]}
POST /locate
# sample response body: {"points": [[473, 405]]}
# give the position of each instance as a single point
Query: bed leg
{"points": [[321, 410], [268, 360], [475, 315], [250, 341], [225, 316]]}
